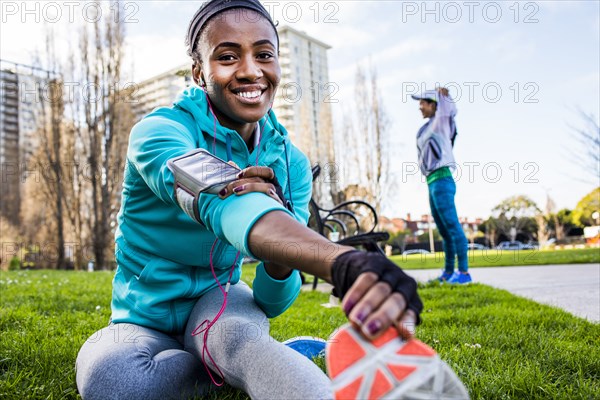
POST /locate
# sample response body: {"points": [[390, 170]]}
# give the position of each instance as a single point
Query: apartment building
{"points": [[22, 91]]}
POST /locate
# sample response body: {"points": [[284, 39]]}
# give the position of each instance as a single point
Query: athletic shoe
{"points": [[308, 346], [443, 277], [458, 278], [388, 368]]}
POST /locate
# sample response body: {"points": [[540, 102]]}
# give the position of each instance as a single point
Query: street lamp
{"points": [[431, 242]]}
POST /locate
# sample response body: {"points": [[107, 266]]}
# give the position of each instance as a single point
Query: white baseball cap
{"points": [[427, 95]]}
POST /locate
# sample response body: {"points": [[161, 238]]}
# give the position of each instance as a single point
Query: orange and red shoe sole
{"points": [[388, 368]]}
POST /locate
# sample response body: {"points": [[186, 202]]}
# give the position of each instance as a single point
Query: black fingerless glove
{"points": [[348, 266]]}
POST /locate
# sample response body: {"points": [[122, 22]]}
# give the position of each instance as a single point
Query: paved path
{"points": [[574, 287]]}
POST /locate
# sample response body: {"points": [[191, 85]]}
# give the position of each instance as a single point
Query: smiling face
{"points": [[240, 68], [427, 108]]}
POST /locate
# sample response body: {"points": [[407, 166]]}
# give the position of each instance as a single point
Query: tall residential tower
{"points": [[303, 103], [23, 88]]}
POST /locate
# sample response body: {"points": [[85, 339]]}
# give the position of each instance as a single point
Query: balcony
{"points": [[10, 102], [8, 119], [8, 77]]}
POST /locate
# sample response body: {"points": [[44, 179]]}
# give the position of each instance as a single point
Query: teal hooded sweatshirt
{"points": [[163, 255]]}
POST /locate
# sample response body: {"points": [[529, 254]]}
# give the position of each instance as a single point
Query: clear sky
{"points": [[519, 71]]}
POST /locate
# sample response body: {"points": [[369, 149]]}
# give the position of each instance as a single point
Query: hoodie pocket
{"points": [[165, 273], [150, 293]]}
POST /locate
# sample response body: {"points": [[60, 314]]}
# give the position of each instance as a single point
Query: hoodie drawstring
{"points": [[289, 181], [228, 143], [206, 325]]}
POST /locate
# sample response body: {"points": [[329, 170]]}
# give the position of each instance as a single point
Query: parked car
{"points": [[415, 251], [477, 246], [515, 245]]}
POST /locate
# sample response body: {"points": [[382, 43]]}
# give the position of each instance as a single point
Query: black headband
{"points": [[214, 7]]}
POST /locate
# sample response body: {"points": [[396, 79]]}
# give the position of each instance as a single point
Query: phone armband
{"points": [[197, 172]]}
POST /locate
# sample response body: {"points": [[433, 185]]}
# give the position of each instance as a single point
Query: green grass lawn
{"points": [[501, 346], [502, 258]]}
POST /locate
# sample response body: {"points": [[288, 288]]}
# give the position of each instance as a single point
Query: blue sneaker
{"points": [[458, 278], [443, 277], [308, 346]]}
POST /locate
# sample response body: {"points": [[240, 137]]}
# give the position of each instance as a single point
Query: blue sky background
{"points": [[555, 59]]}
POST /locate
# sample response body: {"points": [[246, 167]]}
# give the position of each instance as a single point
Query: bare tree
{"points": [[587, 153], [363, 117], [365, 147], [346, 149], [75, 187], [81, 146], [381, 162], [48, 158], [331, 174], [53, 151], [101, 58]]}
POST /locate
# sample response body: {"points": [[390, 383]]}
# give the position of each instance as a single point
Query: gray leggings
{"points": [[126, 361]]}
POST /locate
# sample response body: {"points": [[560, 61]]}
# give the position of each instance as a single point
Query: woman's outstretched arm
{"points": [[376, 293], [279, 239]]}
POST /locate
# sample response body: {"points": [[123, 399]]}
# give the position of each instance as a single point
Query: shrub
{"points": [[14, 264]]}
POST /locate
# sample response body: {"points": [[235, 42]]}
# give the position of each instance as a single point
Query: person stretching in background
{"points": [[435, 141]]}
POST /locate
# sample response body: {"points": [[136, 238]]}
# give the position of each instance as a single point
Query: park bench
{"points": [[354, 221]]}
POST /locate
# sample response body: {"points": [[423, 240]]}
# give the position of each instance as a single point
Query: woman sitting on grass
{"points": [[179, 265]]}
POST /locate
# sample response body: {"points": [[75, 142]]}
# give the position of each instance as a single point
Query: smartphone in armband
{"points": [[198, 171]]}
